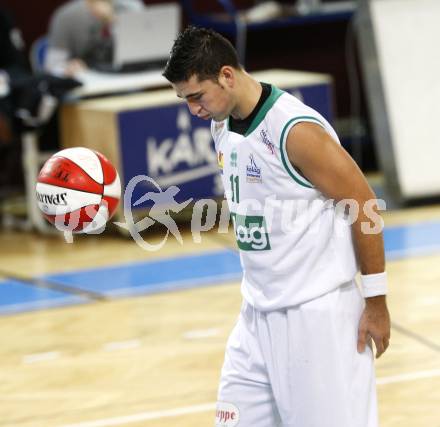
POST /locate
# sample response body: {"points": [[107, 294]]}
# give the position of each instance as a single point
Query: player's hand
{"points": [[374, 323], [74, 67]]}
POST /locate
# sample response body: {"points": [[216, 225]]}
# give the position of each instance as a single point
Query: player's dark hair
{"points": [[201, 52]]}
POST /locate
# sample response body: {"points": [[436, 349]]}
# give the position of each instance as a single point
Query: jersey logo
{"points": [[250, 232], [266, 141], [253, 172], [226, 415], [233, 158], [220, 161]]}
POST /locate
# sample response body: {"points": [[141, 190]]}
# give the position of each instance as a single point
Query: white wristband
{"points": [[374, 284]]}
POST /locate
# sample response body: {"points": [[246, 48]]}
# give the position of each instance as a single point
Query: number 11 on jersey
{"points": [[235, 188]]}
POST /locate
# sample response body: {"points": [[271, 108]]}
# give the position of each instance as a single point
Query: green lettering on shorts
{"points": [[250, 232]]}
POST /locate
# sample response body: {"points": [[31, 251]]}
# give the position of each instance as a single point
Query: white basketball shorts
{"points": [[299, 367]]}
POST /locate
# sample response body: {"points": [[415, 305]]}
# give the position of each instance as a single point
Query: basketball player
{"points": [[300, 353]]}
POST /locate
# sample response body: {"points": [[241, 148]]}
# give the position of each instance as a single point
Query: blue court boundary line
{"points": [[178, 273], [42, 305], [418, 239]]}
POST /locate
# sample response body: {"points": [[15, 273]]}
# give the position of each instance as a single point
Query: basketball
{"points": [[78, 190]]}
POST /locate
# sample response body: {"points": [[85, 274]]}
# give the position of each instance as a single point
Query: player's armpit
{"points": [[325, 163]]}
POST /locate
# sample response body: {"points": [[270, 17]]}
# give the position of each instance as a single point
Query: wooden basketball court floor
{"points": [[102, 333]]}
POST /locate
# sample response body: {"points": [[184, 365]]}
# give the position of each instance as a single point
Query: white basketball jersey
{"points": [[294, 246]]}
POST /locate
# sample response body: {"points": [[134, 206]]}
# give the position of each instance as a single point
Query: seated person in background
{"points": [[13, 65], [80, 35], [27, 102]]}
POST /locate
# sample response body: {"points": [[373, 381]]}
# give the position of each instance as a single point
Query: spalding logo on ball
{"points": [[78, 190]]}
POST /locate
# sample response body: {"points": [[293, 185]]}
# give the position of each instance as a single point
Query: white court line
{"points": [[201, 333], [122, 345], [41, 357], [144, 416], [408, 377], [205, 407]]}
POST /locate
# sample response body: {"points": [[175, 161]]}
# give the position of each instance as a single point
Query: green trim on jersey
{"points": [[268, 104], [275, 93], [283, 149]]}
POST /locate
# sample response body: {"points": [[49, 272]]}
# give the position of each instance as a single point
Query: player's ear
{"points": [[227, 76]]}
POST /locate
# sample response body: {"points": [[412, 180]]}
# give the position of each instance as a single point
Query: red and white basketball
{"points": [[78, 190]]}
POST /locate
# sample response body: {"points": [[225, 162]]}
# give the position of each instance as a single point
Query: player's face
{"points": [[206, 99]]}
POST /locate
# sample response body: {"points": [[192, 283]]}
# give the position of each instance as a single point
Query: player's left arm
{"points": [[333, 172]]}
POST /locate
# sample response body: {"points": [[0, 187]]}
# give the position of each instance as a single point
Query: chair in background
{"points": [[32, 157], [228, 22], [37, 54], [236, 23]]}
